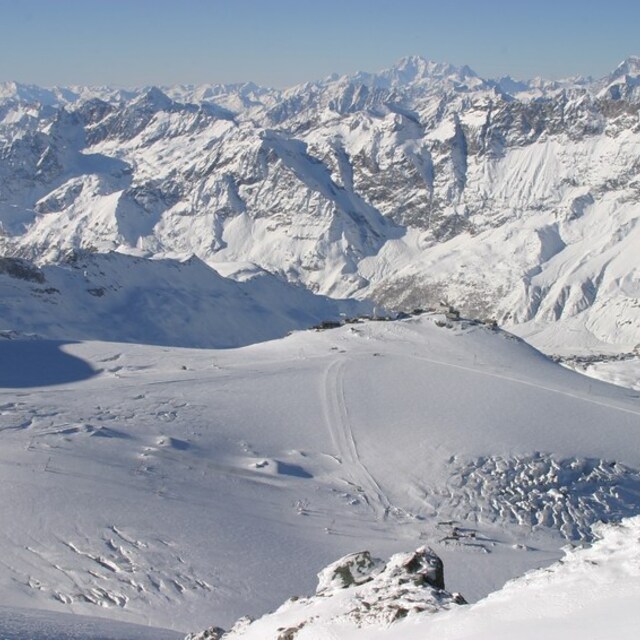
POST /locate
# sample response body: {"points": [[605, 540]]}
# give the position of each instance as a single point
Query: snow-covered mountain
{"points": [[167, 459], [166, 302], [517, 200]]}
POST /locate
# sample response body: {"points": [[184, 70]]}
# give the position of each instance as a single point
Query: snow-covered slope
{"points": [[592, 593], [187, 304], [34, 624], [189, 487], [355, 591], [513, 200]]}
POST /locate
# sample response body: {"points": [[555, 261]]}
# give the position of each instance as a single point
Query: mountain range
{"points": [[421, 184]]}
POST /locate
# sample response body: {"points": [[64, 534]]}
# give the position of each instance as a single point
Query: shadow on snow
{"points": [[39, 363]]}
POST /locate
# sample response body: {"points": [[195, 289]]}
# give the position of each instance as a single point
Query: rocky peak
{"points": [[623, 83], [27, 93], [353, 162], [628, 67], [416, 71], [353, 569], [154, 100], [413, 68]]}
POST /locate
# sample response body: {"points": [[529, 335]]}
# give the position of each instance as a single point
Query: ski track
{"points": [[535, 385], [339, 426]]}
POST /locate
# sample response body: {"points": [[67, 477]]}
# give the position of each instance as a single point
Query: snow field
{"points": [[189, 487]]}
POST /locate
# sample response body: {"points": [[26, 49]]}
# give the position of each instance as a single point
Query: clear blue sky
{"points": [[282, 42]]}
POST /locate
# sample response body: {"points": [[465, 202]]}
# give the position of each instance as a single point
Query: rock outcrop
{"points": [[357, 590]]}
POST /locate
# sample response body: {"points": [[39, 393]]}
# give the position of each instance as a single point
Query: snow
{"points": [[170, 458], [418, 184], [592, 593], [623, 373], [444, 131], [185, 488], [120, 297], [360, 591], [18, 624]]}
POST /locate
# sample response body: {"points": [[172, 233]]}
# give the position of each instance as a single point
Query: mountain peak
{"points": [[628, 67], [156, 99], [28, 93], [422, 68]]}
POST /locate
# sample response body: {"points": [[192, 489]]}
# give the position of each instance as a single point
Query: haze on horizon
{"points": [[283, 42]]}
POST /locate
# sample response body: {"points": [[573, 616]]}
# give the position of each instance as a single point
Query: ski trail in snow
{"points": [[527, 383], [339, 426]]}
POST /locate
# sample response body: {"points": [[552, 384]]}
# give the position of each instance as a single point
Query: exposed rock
{"points": [[358, 590], [212, 633], [21, 269], [353, 569]]}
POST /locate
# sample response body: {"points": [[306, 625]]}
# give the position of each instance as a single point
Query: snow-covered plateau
{"points": [[207, 393]]}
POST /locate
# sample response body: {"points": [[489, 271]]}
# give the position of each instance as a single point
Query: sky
{"points": [[283, 42]]}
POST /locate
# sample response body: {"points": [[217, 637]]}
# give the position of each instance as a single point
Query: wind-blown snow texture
{"points": [[513, 200]]}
